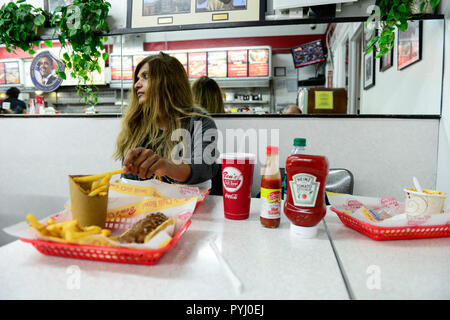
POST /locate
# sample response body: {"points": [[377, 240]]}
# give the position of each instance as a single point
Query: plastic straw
{"points": [[237, 284]]}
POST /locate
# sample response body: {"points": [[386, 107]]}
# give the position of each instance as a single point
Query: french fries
{"points": [[100, 182], [97, 176], [69, 231]]}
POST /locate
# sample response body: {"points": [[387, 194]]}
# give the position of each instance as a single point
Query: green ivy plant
{"points": [[19, 23], [394, 14], [78, 29]]}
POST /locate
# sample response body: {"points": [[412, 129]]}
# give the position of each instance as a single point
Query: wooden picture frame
{"points": [[409, 45], [160, 13]]}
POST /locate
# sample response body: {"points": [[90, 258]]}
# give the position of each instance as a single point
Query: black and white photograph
{"points": [[369, 70]]}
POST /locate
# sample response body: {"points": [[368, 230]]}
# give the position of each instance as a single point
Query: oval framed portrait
{"points": [[43, 71]]}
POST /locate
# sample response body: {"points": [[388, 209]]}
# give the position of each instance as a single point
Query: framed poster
{"points": [[154, 13], [217, 64], [197, 64], [387, 60], [369, 70], [409, 45], [237, 63]]}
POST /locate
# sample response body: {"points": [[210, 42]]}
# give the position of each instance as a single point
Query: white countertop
{"points": [[394, 269], [269, 263]]}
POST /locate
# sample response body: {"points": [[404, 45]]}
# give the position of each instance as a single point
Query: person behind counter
{"points": [[292, 109], [207, 94], [162, 109], [13, 103]]}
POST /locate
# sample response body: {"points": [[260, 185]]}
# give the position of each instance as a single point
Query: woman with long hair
{"points": [[208, 95], [161, 111]]}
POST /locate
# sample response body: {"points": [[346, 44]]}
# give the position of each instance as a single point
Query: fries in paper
{"points": [[100, 182]]}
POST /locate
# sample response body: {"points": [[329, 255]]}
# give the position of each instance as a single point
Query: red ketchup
{"points": [[305, 203]]}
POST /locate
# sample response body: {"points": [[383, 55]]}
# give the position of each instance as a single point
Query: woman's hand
{"points": [[144, 163]]}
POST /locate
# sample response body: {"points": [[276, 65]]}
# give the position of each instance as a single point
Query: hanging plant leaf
{"points": [[395, 15], [39, 20]]}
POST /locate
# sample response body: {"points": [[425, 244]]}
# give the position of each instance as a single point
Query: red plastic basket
{"points": [[393, 233], [108, 254]]}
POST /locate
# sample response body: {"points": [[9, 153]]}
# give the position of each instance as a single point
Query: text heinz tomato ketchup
{"points": [[305, 203]]}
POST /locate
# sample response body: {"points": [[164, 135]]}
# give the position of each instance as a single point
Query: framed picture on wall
{"points": [[369, 70], [154, 13], [409, 45], [368, 34], [387, 60]]}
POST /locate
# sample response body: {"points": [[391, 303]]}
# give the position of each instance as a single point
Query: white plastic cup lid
{"points": [[237, 156], [304, 232]]}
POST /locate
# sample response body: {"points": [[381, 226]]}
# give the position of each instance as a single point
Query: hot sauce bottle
{"points": [[271, 190], [305, 203]]}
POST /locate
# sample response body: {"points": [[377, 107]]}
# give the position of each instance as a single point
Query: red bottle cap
{"points": [[272, 150]]}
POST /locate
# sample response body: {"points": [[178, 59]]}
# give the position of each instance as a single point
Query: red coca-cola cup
{"points": [[237, 177]]}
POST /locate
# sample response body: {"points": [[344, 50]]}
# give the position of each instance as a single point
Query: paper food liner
{"points": [[130, 201], [383, 212]]}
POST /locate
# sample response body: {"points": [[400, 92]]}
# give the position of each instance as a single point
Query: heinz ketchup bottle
{"points": [[305, 203], [270, 214]]}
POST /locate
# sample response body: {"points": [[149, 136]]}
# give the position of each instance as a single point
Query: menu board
{"points": [[125, 68], [258, 63], [237, 63], [28, 82], [182, 57], [12, 72], [197, 64], [217, 64], [2, 73]]}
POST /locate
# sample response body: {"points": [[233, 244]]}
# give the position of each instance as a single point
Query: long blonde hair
{"points": [[208, 94], [168, 97]]}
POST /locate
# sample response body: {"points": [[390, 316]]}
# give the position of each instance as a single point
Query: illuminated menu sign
{"points": [[2, 73], [237, 63], [182, 57], [12, 72], [258, 63], [136, 60], [197, 64], [217, 64], [124, 68]]}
